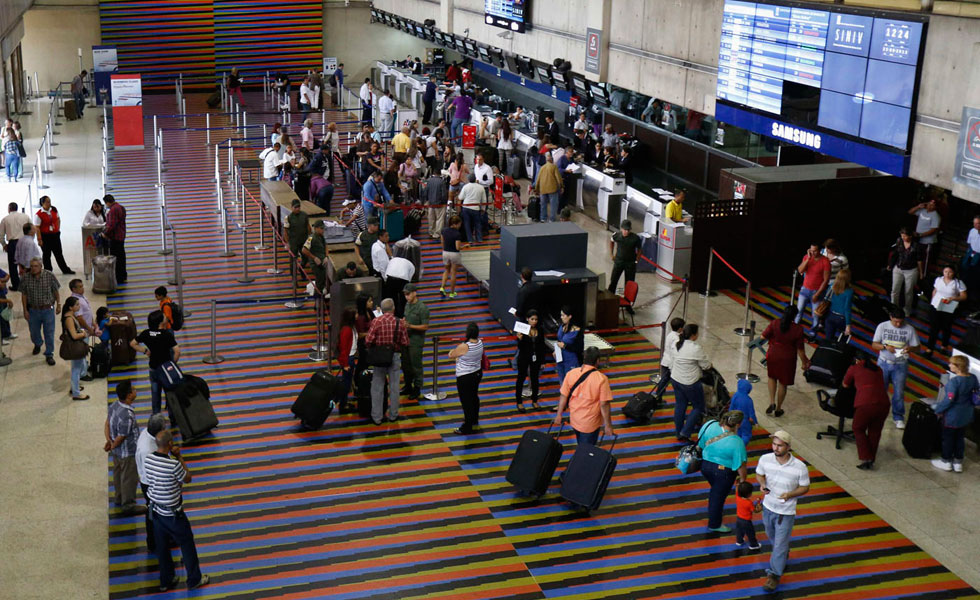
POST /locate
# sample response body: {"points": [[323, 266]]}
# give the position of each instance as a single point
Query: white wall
{"points": [[52, 37]]}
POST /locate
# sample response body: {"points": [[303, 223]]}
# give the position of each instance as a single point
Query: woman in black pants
{"points": [[947, 293], [531, 350], [469, 371]]}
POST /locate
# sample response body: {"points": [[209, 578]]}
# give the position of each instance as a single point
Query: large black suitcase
{"points": [[315, 403], [829, 363], [640, 407], [190, 411], [922, 431], [874, 308], [534, 462], [534, 209], [587, 475], [214, 100], [99, 361]]}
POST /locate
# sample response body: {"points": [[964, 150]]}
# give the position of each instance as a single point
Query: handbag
{"points": [[21, 150], [72, 349], [381, 356], [823, 308], [485, 362], [689, 458]]}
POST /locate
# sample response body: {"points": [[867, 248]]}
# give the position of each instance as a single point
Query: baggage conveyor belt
{"points": [[476, 263]]}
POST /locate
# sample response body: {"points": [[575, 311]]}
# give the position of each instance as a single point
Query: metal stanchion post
{"points": [[753, 343], [183, 110], [224, 234], [792, 289], [50, 143], [744, 331], [176, 278], [320, 350], [655, 378], [180, 286], [687, 289], [214, 358], [155, 130], [323, 122], [207, 128], [435, 394], [38, 173], [163, 232], [159, 169], [244, 124], [262, 245], [231, 160], [245, 222], [295, 302], [245, 278], [163, 159], [707, 286], [264, 134], [163, 203]]}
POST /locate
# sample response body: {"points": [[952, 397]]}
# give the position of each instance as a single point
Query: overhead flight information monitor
{"points": [[842, 83], [508, 14]]}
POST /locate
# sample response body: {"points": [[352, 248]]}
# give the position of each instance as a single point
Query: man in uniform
{"points": [[298, 224], [627, 246], [315, 250], [417, 320]]}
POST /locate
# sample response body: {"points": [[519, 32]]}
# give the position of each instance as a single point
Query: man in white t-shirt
{"points": [[381, 254], [305, 98], [783, 478], [271, 161], [893, 341], [581, 123], [926, 226], [386, 114], [366, 94]]}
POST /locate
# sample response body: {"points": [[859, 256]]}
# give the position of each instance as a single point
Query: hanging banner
{"points": [[966, 170], [105, 62], [127, 111]]}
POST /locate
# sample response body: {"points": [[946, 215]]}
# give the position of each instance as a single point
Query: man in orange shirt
{"points": [[166, 306], [586, 393]]}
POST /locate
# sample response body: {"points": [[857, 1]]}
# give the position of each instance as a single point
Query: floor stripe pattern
{"points": [[411, 510]]}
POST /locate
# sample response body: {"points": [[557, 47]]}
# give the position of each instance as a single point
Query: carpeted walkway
{"points": [[411, 510]]}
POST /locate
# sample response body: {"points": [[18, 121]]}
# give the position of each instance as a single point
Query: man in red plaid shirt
{"points": [[389, 331]]}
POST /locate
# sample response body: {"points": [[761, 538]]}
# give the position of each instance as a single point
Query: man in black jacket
{"points": [[553, 131], [428, 99]]}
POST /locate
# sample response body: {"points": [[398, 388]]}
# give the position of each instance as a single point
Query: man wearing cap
{"points": [[626, 247], [417, 322], [315, 250], [783, 478]]}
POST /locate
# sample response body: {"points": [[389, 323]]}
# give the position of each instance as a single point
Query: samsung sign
{"points": [[796, 135], [893, 163]]}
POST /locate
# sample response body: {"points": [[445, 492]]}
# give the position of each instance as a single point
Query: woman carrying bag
{"points": [[723, 459], [74, 348], [470, 361], [685, 375], [531, 350], [955, 411]]}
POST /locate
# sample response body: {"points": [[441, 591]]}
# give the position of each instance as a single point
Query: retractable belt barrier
{"points": [[744, 330]]}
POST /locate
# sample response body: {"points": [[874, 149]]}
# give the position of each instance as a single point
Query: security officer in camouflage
{"points": [[315, 250], [417, 320]]}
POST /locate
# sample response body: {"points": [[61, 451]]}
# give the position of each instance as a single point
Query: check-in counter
{"points": [[674, 252], [607, 189]]}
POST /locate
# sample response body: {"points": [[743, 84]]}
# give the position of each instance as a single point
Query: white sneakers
{"points": [[942, 465], [899, 424], [957, 466]]}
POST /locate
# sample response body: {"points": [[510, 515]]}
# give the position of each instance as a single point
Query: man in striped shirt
{"points": [[166, 474], [783, 478], [121, 433]]}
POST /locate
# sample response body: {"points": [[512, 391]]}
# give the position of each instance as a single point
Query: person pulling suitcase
{"points": [[586, 393]]}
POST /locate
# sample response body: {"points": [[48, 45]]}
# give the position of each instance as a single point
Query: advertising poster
{"points": [[127, 111], [105, 63]]}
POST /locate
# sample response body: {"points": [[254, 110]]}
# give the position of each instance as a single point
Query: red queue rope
{"points": [[276, 235], [673, 276], [500, 338], [726, 263]]}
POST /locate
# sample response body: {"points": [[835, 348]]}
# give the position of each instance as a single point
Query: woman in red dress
{"points": [[785, 345]]}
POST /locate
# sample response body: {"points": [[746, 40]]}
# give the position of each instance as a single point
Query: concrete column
{"points": [[446, 11], [597, 16]]}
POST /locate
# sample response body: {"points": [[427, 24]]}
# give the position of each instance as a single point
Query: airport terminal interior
{"points": [[640, 161]]}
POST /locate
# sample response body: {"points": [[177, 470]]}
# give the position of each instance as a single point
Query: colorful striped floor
{"points": [[411, 510]]}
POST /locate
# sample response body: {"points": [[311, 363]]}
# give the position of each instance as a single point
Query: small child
{"points": [[744, 507]]}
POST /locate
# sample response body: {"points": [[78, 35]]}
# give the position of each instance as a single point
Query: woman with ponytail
{"points": [[722, 463], [871, 407], [688, 365], [786, 342]]}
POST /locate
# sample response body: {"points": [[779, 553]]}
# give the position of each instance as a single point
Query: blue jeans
{"points": [[42, 320], [156, 389], [834, 326], [683, 395], [564, 367], [471, 224], [392, 373], [778, 529], [177, 528], [896, 374], [13, 166], [807, 296], [721, 479], [586, 438], [549, 200], [77, 368], [456, 131], [79, 103]]}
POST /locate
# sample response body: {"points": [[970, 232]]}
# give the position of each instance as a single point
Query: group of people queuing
{"points": [[12, 149]]}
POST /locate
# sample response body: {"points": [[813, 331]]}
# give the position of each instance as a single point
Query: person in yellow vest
{"points": [[675, 208]]}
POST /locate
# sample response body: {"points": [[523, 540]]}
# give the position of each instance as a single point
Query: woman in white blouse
{"points": [[947, 293], [95, 217], [689, 362]]}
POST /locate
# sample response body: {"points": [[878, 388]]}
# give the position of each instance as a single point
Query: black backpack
{"points": [[177, 323], [332, 80]]}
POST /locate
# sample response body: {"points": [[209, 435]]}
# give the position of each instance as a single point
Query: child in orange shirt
{"points": [[744, 507]]}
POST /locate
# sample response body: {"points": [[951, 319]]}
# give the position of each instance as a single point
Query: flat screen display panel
{"points": [[822, 68], [507, 14]]}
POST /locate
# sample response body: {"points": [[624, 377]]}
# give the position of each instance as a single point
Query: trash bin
{"points": [[90, 241]]}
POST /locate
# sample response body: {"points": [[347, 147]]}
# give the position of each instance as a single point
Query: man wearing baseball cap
{"points": [[783, 478], [417, 323]]}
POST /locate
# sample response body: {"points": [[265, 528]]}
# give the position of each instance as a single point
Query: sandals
{"points": [[520, 408], [778, 413], [76, 398], [535, 405], [772, 407]]}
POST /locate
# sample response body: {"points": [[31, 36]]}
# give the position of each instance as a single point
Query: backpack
{"points": [[178, 316], [332, 80]]}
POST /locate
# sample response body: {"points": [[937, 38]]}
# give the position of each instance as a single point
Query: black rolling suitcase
{"points": [[874, 308], [315, 403], [99, 361], [829, 363], [190, 410], [214, 100], [640, 407], [587, 475], [534, 209], [534, 462], [922, 431]]}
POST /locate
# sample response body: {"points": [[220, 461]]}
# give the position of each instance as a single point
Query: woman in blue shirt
{"points": [[841, 297], [955, 410], [722, 463], [570, 340]]}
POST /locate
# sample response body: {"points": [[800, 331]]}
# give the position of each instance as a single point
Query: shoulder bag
{"points": [[72, 349], [382, 356], [823, 308], [689, 458]]}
